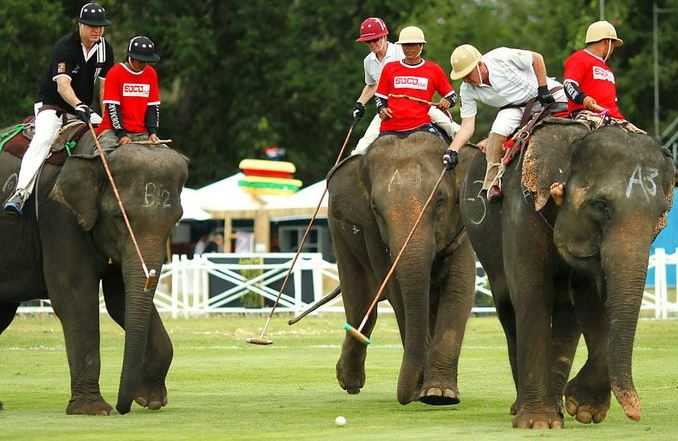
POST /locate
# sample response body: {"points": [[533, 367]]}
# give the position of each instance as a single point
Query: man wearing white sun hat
{"points": [[506, 79]]}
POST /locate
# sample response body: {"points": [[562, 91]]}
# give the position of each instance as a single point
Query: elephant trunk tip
{"points": [[124, 406], [629, 401]]}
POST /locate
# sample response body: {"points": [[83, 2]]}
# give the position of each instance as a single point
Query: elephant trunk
{"points": [[624, 261], [138, 304], [414, 280]]}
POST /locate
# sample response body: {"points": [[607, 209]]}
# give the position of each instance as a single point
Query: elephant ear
{"points": [[548, 157], [78, 187], [347, 192]]}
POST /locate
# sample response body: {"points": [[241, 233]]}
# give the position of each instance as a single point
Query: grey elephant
{"points": [[71, 237], [374, 200], [566, 252]]}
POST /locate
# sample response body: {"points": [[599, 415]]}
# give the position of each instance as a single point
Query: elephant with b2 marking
{"points": [[72, 236], [566, 252], [373, 203]]}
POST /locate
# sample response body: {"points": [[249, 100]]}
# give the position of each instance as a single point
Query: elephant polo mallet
{"points": [[262, 340], [358, 333], [151, 276]]}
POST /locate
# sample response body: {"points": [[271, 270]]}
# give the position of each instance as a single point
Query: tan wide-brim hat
{"points": [[602, 30], [463, 60], [411, 35]]}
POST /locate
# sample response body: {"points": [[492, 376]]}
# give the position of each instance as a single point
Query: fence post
{"points": [[659, 282], [317, 268], [175, 285], [298, 301]]}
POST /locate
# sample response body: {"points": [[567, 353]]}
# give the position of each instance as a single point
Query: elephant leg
{"points": [[453, 307], [507, 318], [530, 282], [565, 337], [76, 303], [159, 351], [7, 313], [587, 395], [357, 289]]}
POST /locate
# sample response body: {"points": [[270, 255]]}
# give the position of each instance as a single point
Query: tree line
{"points": [[239, 75]]}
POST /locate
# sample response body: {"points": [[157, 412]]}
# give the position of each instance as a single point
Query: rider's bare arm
{"points": [[468, 126]]}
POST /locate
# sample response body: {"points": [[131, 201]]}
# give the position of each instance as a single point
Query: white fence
{"points": [[219, 283]]}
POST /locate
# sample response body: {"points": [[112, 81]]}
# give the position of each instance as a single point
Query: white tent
{"points": [[305, 198], [191, 206]]}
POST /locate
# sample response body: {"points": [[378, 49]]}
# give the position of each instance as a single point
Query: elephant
{"points": [[373, 202], [71, 237], [566, 253]]}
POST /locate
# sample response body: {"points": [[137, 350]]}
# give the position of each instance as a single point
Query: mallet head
{"points": [[353, 332]]}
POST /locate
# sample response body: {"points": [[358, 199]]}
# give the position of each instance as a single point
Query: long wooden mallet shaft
{"points": [[261, 340], [149, 142], [150, 275], [358, 333]]}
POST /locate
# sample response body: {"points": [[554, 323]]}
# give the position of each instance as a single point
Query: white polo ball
{"points": [[340, 421]]}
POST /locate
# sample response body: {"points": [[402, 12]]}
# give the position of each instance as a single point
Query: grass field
{"points": [[221, 388]]}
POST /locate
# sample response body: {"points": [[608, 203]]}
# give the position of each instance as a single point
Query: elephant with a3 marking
{"points": [[566, 252]]}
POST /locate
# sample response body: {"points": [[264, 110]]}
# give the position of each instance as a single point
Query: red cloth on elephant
{"points": [[595, 78], [418, 81]]}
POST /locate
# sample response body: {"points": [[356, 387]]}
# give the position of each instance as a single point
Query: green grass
{"points": [[221, 388]]}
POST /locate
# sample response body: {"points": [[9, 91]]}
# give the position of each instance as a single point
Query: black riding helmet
{"points": [[143, 49], [93, 14]]}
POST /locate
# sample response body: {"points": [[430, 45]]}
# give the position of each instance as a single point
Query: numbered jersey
{"points": [[133, 92], [420, 81], [595, 79]]}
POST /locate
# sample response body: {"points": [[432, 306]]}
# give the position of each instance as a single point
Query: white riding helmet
{"points": [[602, 30], [411, 35], [463, 60]]}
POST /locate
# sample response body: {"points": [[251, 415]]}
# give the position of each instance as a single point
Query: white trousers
{"points": [[438, 117], [508, 120], [47, 125]]}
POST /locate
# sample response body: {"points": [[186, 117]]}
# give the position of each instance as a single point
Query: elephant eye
{"points": [[602, 209]]}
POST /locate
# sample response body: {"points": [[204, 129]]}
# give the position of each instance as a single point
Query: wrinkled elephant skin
{"points": [[72, 237], [576, 267], [374, 200]]}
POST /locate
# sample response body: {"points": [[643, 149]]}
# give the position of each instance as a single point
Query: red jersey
{"points": [[595, 79], [419, 81], [134, 92]]}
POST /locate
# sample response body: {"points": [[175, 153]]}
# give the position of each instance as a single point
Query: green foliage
{"points": [[238, 75], [251, 299]]}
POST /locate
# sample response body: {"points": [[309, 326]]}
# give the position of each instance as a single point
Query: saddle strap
{"points": [[10, 133]]}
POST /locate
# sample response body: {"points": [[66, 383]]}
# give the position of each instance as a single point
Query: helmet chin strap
{"points": [[609, 49]]}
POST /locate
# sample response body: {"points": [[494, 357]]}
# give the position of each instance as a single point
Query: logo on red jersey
{"points": [[132, 89], [600, 73], [419, 83]]}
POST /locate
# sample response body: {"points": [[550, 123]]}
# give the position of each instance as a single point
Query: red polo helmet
{"points": [[371, 29]]}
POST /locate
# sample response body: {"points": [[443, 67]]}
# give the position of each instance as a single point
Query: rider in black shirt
{"points": [[78, 59]]}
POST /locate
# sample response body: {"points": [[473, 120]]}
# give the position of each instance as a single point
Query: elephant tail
{"points": [[336, 292]]}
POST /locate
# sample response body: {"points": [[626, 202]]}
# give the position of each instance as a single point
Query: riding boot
{"points": [[493, 154]]}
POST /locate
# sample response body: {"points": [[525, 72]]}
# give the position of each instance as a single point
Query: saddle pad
{"points": [[63, 145]]}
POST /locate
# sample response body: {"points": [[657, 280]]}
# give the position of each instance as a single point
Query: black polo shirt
{"points": [[68, 59]]}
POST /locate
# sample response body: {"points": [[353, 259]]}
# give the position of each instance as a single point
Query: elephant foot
{"points": [[350, 379], [548, 418], [587, 403], [88, 405], [439, 395], [153, 397]]}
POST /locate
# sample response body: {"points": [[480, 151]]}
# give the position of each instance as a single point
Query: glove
{"points": [[450, 159], [358, 110], [83, 112], [544, 96]]}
